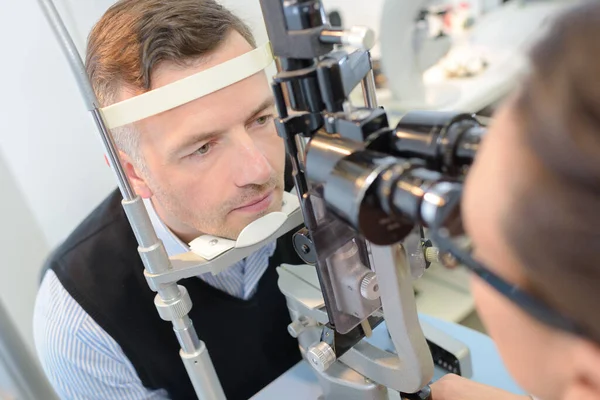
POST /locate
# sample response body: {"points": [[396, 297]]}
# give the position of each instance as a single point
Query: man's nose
{"points": [[252, 166]]}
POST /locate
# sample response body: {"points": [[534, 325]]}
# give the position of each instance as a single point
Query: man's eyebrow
{"points": [[191, 140], [267, 103]]}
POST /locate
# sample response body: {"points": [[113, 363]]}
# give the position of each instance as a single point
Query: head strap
{"points": [[187, 89]]}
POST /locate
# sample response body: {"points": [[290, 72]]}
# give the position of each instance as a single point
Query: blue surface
{"points": [[299, 383], [488, 367]]}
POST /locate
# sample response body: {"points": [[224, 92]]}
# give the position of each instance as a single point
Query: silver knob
{"points": [[321, 356], [295, 329], [369, 287], [432, 254], [449, 261], [359, 37], [300, 325]]}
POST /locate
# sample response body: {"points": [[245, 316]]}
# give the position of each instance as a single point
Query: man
{"points": [[531, 206], [210, 166]]}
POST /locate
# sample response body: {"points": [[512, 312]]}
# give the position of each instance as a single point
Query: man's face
{"points": [[526, 345], [215, 164]]}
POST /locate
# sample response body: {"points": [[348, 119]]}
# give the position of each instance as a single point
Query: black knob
{"points": [[424, 394], [335, 19], [304, 246]]}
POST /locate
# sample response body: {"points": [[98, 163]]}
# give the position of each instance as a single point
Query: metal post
{"points": [[83, 83], [172, 301], [369, 90], [21, 368]]}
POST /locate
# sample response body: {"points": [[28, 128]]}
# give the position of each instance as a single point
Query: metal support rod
{"points": [[23, 371], [152, 252], [333, 37], [203, 375], [113, 157], [70, 50], [369, 90], [186, 335], [87, 92]]}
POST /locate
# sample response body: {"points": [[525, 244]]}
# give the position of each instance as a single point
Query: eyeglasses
{"points": [[531, 305]]}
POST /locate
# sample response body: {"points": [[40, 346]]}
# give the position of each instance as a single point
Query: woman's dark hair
{"points": [[554, 224]]}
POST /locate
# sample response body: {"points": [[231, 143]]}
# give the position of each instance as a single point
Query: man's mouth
{"points": [[257, 204]]}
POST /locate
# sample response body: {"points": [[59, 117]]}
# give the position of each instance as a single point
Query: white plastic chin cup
{"points": [[210, 247], [188, 89]]}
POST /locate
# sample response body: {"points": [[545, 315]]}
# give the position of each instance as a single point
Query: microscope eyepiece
{"points": [[426, 197], [379, 195], [447, 141]]}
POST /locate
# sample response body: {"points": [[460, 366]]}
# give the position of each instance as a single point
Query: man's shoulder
{"points": [[60, 321], [99, 256], [100, 267], [80, 359], [64, 332]]}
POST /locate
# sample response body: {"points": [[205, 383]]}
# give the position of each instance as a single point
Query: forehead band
{"points": [[187, 89]]}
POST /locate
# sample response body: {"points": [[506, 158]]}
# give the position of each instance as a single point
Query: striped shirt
{"points": [[82, 361]]}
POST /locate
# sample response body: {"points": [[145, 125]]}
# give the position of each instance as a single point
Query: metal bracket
{"points": [[189, 264]]}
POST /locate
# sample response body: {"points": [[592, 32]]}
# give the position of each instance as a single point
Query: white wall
{"points": [[49, 141], [51, 164], [23, 248]]}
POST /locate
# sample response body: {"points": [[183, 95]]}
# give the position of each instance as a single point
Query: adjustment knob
{"points": [[298, 326], [449, 261], [369, 287], [295, 329], [304, 246], [359, 37], [321, 356], [432, 254]]}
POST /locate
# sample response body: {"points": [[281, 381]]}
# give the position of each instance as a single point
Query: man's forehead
{"points": [[219, 110], [168, 71], [229, 109]]}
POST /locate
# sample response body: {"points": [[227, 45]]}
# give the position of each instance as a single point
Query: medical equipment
{"points": [[358, 198], [469, 71], [362, 187]]}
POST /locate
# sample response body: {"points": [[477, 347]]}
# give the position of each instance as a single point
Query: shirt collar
{"points": [[173, 245]]}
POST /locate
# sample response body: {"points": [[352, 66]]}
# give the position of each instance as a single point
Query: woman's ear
{"points": [[585, 383], [138, 182]]}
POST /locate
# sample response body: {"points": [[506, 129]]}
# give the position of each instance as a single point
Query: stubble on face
{"points": [[219, 220]]}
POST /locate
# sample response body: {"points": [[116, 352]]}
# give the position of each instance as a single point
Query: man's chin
{"points": [[248, 219], [253, 218]]}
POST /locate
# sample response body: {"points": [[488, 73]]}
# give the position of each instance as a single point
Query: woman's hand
{"points": [[454, 387]]}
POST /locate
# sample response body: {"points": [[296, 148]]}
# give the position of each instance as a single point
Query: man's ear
{"points": [[137, 180], [586, 382]]}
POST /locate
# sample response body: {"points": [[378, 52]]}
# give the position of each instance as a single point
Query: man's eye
{"points": [[203, 150], [263, 120]]}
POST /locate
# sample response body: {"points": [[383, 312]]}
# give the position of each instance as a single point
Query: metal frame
{"points": [[22, 369]]}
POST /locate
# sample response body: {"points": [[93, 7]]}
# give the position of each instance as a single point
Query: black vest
{"points": [[247, 340]]}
